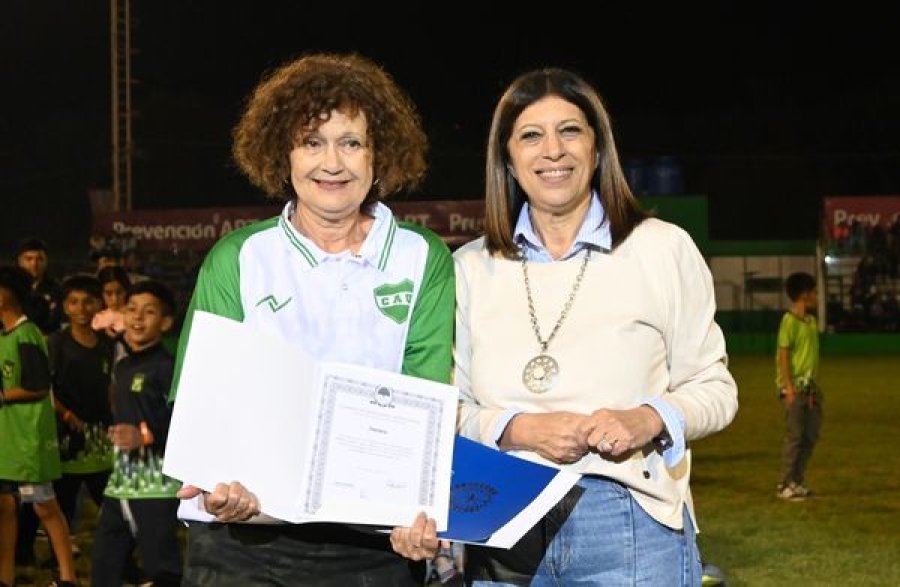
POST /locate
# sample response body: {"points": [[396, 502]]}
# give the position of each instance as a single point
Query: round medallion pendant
{"points": [[540, 373]]}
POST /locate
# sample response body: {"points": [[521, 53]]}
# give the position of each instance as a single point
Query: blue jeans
{"points": [[608, 539]]}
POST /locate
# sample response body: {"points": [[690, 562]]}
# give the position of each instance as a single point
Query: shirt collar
{"points": [[22, 320], [594, 233], [374, 251]]}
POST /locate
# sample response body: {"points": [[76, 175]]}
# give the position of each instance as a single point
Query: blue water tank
{"points": [[636, 173], [665, 177]]}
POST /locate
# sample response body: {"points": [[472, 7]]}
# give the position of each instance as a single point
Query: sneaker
{"points": [[712, 575], [801, 490], [793, 492]]}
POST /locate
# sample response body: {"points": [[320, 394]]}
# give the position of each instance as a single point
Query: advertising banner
{"points": [[842, 211], [182, 229]]}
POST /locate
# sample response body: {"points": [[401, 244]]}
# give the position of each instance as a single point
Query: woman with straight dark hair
{"points": [[585, 339]]}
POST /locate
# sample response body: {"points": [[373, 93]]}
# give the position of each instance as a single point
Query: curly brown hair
{"points": [[301, 94]]}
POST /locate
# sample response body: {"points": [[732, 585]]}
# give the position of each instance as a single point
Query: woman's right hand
{"points": [[230, 502], [553, 435], [418, 541]]}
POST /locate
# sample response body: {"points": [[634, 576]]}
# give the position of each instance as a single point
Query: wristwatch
{"points": [[663, 442]]}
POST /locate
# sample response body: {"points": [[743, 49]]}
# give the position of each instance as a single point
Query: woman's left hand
{"points": [[419, 541], [616, 432], [556, 436]]}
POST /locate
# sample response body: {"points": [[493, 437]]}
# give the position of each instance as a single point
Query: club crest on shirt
{"points": [[394, 299], [137, 383], [7, 369]]}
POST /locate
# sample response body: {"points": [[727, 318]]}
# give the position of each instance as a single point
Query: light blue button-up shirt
{"points": [[594, 234]]}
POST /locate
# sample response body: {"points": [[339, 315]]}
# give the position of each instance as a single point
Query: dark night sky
{"points": [[766, 111]]}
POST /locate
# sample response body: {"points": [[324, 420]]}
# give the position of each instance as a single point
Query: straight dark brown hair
{"points": [[503, 194]]}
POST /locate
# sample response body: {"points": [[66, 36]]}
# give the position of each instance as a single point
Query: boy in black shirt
{"points": [[140, 507], [80, 368]]}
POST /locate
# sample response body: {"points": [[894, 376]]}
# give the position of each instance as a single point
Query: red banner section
{"points": [[842, 211], [198, 228], [456, 221]]}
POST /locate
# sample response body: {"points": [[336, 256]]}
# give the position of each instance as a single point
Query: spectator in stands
{"points": [[108, 256], [858, 237], [894, 247], [133, 263], [835, 312], [841, 237]]}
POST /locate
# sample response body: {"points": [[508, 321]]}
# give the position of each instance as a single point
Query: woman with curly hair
{"points": [[331, 136]]}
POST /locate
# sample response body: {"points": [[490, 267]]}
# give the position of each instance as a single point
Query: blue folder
{"points": [[488, 488]]}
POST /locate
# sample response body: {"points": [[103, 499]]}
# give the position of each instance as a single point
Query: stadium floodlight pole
{"points": [[120, 62]]}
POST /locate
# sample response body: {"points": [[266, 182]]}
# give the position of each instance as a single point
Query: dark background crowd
{"points": [[873, 300], [766, 109]]}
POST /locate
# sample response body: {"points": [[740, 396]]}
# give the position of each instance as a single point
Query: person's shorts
{"points": [[8, 487], [36, 492]]}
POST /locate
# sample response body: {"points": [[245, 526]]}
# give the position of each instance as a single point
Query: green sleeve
{"points": [[429, 344], [786, 332]]}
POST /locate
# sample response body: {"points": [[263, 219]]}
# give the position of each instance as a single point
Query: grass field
{"points": [[848, 534]]}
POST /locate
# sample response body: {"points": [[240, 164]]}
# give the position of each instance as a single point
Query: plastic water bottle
{"points": [[636, 172]]}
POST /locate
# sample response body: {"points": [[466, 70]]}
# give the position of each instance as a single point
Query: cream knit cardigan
{"points": [[642, 325]]}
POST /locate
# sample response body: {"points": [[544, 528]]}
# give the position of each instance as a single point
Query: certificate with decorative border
{"points": [[315, 441], [374, 444]]}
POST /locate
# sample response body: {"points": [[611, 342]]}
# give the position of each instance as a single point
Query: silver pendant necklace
{"points": [[541, 372]]}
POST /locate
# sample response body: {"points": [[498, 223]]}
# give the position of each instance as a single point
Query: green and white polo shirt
{"points": [[389, 307]]}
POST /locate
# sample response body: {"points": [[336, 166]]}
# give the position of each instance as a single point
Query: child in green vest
{"points": [[29, 456]]}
